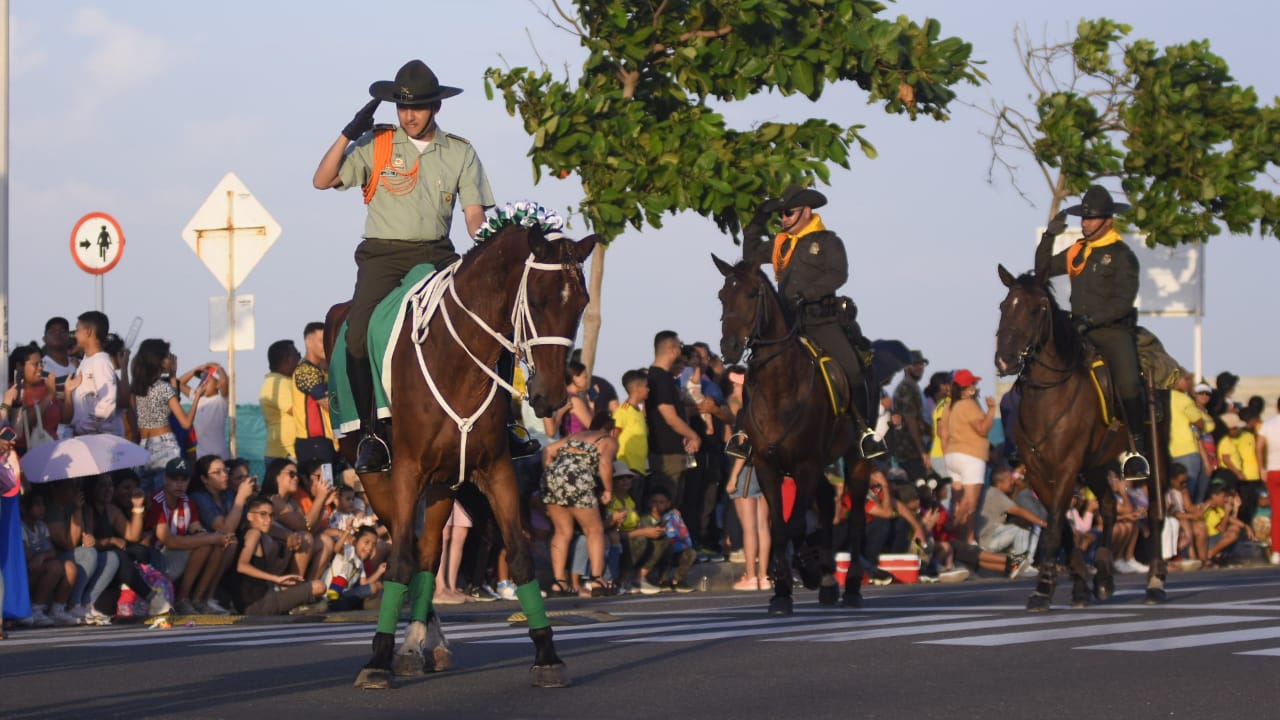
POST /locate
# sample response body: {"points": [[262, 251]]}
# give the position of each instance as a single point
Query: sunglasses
{"points": [[290, 473], [789, 213]]}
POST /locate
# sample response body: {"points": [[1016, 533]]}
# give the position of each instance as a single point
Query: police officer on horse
{"points": [[1104, 290], [810, 265]]}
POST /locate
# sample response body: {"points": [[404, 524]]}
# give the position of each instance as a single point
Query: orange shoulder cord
{"points": [[402, 183], [782, 259]]}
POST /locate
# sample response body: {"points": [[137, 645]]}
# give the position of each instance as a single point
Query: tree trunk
{"points": [[591, 319]]}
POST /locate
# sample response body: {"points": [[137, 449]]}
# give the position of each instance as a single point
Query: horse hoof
{"points": [[1155, 596], [373, 679], [779, 605], [1038, 603], [828, 595], [1104, 588], [852, 600], [409, 664], [441, 659], [549, 676]]}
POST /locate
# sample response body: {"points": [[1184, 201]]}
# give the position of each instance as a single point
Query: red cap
{"points": [[964, 378]]}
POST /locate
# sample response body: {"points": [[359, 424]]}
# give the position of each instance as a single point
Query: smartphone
{"points": [[7, 434], [326, 473]]}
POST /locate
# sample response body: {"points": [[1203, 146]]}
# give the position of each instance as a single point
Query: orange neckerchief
{"points": [[1078, 253], [781, 258]]}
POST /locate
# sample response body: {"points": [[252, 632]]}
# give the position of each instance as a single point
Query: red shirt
{"points": [[179, 519]]}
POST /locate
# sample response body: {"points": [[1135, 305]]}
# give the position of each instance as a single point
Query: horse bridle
{"points": [[753, 341], [1030, 355]]}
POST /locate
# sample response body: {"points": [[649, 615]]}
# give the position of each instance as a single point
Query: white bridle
{"points": [[524, 338]]}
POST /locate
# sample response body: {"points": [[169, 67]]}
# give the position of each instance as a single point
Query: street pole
{"points": [[231, 323], [4, 189], [99, 293]]}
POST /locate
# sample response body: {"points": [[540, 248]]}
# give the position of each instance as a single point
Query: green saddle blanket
{"points": [[384, 328]]}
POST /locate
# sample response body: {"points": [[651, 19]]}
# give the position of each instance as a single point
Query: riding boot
{"points": [[373, 453], [1133, 464]]}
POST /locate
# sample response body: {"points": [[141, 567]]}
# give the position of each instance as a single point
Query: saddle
{"points": [[835, 381], [1155, 363]]}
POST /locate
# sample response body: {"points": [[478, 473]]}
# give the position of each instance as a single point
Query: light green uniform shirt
{"points": [[448, 171]]}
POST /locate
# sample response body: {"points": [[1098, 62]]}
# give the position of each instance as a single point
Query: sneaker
{"points": [[747, 584], [1188, 565], [1139, 568], [159, 605], [213, 607], [737, 556], [478, 595], [881, 577], [1017, 563], [39, 618], [93, 617], [61, 617], [1275, 558], [766, 583], [680, 586], [1029, 570], [648, 588], [186, 607], [78, 612], [506, 590], [954, 575]]}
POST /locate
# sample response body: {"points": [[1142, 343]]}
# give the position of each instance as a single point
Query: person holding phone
{"points": [[153, 400], [29, 404]]}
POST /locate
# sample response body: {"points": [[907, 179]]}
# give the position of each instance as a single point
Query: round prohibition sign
{"points": [[97, 243]]}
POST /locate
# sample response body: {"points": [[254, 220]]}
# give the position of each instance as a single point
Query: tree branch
{"points": [[686, 37], [574, 27]]}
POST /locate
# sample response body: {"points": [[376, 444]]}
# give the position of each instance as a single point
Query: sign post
{"points": [[230, 233], [97, 243]]}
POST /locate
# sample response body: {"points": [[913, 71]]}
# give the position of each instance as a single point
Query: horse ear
{"points": [[725, 268], [581, 250], [538, 245], [1006, 277]]}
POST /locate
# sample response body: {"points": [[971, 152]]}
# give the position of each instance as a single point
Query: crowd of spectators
{"points": [[628, 493]]}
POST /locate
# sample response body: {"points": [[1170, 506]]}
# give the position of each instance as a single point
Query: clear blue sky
{"points": [[138, 109]]}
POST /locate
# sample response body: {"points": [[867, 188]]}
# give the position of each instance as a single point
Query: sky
{"points": [[138, 109]]}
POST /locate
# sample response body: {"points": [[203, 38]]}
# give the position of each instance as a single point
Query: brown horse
{"points": [[792, 430], [1061, 435], [521, 292]]}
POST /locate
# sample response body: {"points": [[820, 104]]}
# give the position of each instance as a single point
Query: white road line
{"points": [[1067, 633], [776, 630], [1269, 652], [945, 627], [1189, 641]]}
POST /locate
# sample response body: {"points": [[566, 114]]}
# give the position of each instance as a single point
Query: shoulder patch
{"points": [[814, 248], [383, 126], [462, 140]]}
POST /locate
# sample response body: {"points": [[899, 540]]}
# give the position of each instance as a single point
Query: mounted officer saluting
{"points": [[1104, 290], [810, 265]]}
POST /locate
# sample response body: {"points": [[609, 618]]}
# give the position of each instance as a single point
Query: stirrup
{"points": [[1134, 467], [372, 453], [737, 446], [870, 446]]}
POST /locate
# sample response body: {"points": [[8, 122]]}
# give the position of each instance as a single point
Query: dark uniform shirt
{"points": [[818, 267], [1106, 291]]}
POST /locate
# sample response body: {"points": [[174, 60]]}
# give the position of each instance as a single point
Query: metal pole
{"points": [[4, 189], [231, 322], [99, 292], [1199, 332]]}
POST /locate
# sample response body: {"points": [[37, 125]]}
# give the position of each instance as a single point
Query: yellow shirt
{"points": [[633, 437], [1213, 517], [1183, 413], [1247, 444], [276, 400], [935, 448], [1229, 447]]}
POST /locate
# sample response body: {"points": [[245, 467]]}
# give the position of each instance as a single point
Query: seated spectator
{"points": [[220, 506], [1081, 517], [621, 518], [50, 578], [293, 525], [154, 398], [1129, 528], [346, 579], [192, 553], [660, 541], [316, 495], [572, 464], [892, 523], [994, 527], [973, 556], [113, 531], [65, 517], [266, 586], [1221, 523], [1193, 537]]}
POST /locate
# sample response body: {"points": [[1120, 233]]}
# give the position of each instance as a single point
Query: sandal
{"points": [[561, 588], [599, 587]]}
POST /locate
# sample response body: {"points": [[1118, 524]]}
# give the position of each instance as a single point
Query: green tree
{"points": [[1190, 147], [636, 124]]}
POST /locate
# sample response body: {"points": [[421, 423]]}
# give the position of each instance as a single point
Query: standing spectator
{"points": [[192, 554], [601, 394], [569, 492], [703, 483], [59, 363], [1269, 447], [210, 418], [1231, 460], [276, 400], [964, 431], [1251, 486], [753, 514], [29, 406], [1220, 402], [312, 427], [671, 440], [937, 395], [154, 399], [1208, 441], [266, 585], [629, 424], [1186, 422], [909, 402], [575, 415], [91, 403]]}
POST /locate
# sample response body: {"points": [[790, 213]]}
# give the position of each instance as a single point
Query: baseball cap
{"points": [[964, 378], [1204, 388], [177, 467]]}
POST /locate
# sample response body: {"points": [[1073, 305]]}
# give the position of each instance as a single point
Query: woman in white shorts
{"points": [[964, 429]]}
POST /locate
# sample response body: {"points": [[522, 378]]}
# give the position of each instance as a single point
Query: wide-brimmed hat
{"points": [[1097, 203], [796, 196], [621, 469], [414, 85]]}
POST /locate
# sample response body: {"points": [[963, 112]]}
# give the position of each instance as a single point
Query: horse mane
{"points": [[1065, 338], [746, 268]]}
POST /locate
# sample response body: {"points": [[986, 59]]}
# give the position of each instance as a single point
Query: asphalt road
{"points": [[943, 651]]}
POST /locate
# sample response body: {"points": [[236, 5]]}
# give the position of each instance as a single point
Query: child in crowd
{"points": [[1193, 538], [265, 588], [1221, 524], [49, 575], [629, 423], [620, 519], [347, 579], [662, 539]]}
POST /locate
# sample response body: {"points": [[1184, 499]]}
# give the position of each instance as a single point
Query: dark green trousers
{"points": [[1121, 355], [380, 267], [836, 344]]}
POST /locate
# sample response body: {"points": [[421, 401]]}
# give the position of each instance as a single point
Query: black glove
{"points": [[362, 122], [767, 208], [1057, 225]]}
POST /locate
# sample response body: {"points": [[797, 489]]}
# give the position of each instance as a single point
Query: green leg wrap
{"points": [[392, 600], [421, 588], [530, 596]]}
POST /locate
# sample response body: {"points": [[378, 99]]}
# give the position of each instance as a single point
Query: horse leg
{"points": [[1079, 573], [1042, 598], [1104, 580], [856, 485], [1156, 570], [499, 485], [411, 658], [828, 592], [779, 569], [394, 498]]}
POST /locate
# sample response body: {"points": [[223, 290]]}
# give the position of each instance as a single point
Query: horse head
{"points": [[1026, 320], [555, 293], [749, 307]]}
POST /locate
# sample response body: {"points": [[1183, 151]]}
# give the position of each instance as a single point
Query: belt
{"points": [[407, 243]]}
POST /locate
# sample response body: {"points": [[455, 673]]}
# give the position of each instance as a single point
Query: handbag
{"points": [[36, 436]]}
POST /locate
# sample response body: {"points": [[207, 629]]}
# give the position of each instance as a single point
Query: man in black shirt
{"points": [[671, 440]]}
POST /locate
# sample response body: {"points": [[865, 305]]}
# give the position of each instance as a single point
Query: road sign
{"points": [[231, 232], [220, 336], [97, 243]]}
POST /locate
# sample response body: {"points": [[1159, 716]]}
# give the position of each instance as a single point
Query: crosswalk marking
{"points": [[1066, 633], [1188, 641], [774, 629], [945, 627], [1269, 652]]}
